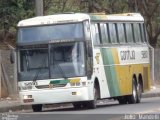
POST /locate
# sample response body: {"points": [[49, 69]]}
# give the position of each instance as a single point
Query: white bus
{"points": [[80, 58]]}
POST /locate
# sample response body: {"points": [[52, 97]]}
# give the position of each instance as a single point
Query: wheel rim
{"points": [[139, 91], [134, 91]]}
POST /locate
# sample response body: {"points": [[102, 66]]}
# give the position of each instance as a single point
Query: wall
{"points": [[8, 83]]}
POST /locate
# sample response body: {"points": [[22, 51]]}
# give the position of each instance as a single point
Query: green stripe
{"points": [[110, 72], [93, 17], [59, 82]]}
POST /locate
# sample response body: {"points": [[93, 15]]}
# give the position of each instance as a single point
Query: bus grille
{"points": [[50, 86]]}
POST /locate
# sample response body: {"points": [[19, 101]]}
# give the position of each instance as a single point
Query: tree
{"points": [[150, 10], [12, 11], [61, 6]]}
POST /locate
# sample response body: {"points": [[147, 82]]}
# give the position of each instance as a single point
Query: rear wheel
{"points": [[133, 98], [139, 93], [37, 108]]}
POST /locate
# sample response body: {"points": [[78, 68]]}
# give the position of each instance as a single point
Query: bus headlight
{"points": [[27, 96], [77, 93]]}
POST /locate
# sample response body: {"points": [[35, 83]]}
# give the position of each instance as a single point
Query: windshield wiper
{"points": [[39, 69], [61, 70]]}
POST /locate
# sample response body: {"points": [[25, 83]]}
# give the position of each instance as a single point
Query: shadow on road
{"points": [[71, 108]]}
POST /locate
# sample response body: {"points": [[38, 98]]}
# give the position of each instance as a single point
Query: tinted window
{"points": [[50, 32], [95, 34], [145, 33], [121, 33], [129, 33], [137, 32], [112, 31], [104, 33], [142, 32]]}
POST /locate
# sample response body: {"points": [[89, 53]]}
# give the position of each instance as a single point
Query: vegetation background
{"points": [[12, 11]]}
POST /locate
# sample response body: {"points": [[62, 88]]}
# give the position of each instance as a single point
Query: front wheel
{"points": [[93, 104], [37, 108], [77, 105]]}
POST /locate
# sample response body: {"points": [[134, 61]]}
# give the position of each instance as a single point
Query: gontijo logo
{"points": [[127, 55]]}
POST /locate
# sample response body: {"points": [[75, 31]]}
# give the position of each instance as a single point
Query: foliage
{"points": [[150, 10], [11, 11]]}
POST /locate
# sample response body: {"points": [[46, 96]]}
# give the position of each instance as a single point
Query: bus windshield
{"points": [[51, 32], [60, 61], [67, 60], [33, 64]]}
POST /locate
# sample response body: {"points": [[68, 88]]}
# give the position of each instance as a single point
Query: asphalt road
{"points": [[149, 108]]}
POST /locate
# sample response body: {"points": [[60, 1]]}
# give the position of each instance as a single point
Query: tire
{"points": [[139, 93], [37, 108], [133, 98], [77, 105], [122, 100], [93, 104]]}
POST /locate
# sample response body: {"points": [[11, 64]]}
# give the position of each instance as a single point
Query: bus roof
{"points": [[53, 19], [77, 17], [117, 17]]}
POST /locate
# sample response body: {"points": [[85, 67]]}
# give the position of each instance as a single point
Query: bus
{"points": [[80, 58]]}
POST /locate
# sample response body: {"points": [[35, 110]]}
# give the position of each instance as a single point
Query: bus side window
{"points": [[107, 33], [137, 33], [112, 31], [129, 33], [121, 32], [104, 33], [145, 33], [100, 33], [142, 32], [95, 34]]}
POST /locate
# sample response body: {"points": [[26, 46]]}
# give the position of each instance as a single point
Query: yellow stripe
{"points": [[74, 80], [115, 55], [125, 73]]}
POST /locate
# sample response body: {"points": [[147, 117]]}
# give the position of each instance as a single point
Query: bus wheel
{"points": [[77, 105], [37, 108], [122, 100], [139, 93], [133, 98], [93, 104]]}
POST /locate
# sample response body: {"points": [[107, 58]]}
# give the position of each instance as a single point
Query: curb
{"points": [[147, 95], [17, 108], [14, 108]]}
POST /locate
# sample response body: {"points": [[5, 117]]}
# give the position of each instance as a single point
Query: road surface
{"points": [[149, 108]]}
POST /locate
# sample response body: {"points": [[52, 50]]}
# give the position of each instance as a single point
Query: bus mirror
{"points": [[12, 56]]}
